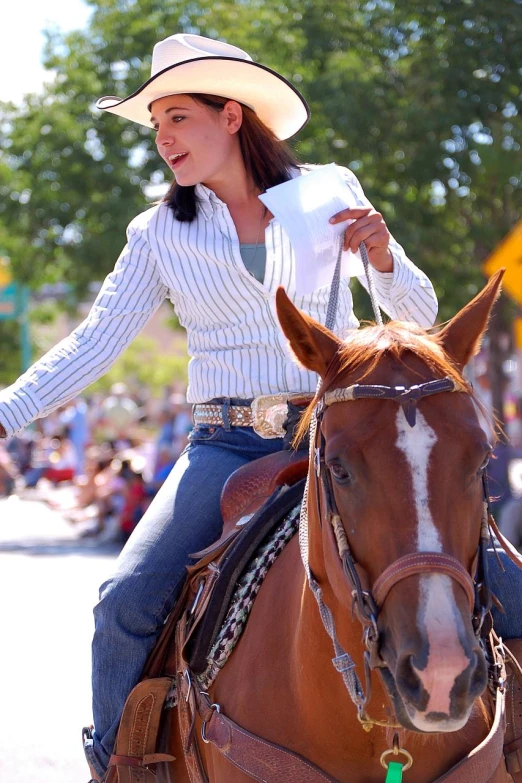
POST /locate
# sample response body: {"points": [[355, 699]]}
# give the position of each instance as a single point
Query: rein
{"points": [[368, 601]]}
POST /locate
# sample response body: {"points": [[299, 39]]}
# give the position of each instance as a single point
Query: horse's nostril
{"points": [[409, 682], [479, 674]]}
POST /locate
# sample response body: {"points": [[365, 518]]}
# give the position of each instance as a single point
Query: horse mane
{"points": [[366, 347]]}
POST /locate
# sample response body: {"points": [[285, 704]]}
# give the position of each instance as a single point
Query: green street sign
{"points": [[14, 300], [11, 302]]}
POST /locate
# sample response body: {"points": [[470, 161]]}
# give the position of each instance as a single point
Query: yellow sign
{"points": [[509, 255], [5, 272]]}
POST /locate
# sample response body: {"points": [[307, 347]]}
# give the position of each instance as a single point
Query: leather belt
{"points": [[266, 414], [214, 413]]}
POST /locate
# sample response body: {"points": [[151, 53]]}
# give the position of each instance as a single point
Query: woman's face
{"points": [[195, 141]]}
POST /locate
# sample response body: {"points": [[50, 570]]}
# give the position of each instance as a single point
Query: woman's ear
{"points": [[232, 115]]}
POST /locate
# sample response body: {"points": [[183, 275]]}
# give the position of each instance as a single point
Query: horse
{"points": [[392, 537]]}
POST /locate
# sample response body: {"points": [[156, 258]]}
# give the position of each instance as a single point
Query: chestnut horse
{"points": [[394, 474]]}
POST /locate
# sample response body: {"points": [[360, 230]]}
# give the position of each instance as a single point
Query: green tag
{"points": [[394, 774]]}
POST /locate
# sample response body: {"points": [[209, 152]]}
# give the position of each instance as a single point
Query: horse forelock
{"points": [[365, 348]]}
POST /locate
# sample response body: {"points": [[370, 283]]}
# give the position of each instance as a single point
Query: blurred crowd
{"points": [[99, 460]]}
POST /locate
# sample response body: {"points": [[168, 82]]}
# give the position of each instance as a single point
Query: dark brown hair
{"points": [[267, 159]]}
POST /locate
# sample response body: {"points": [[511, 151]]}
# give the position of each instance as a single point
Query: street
{"points": [[48, 583]]}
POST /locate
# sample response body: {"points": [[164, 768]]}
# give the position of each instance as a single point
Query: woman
{"points": [[212, 248]]}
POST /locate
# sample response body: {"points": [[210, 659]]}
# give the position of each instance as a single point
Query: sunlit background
{"points": [[22, 41]]}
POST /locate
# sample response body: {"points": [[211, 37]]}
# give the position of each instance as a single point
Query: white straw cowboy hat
{"points": [[185, 63]]}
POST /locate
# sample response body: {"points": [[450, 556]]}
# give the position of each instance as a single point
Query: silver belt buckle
{"points": [[269, 413]]}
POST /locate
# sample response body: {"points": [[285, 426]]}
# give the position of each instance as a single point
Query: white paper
{"points": [[304, 206]]}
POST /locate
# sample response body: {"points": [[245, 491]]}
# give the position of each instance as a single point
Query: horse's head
{"points": [[396, 501]]}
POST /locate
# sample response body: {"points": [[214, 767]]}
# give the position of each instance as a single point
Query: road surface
{"points": [[48, 586]]}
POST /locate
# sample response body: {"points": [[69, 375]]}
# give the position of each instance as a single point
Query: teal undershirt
{"points": [[254, 259]]}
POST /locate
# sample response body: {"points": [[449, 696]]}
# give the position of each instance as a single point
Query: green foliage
{"points": [[10, 364], [421, 100]]}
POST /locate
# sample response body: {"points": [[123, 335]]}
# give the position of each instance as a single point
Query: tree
{"points": [[421, 100]]}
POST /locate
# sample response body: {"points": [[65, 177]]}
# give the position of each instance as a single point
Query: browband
{"points": [[406, 396]]}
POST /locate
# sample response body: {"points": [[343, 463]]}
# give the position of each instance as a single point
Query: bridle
{"points": [[368, 600]]}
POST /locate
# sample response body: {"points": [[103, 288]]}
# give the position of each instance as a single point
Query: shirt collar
{"points": [[207, 199]]}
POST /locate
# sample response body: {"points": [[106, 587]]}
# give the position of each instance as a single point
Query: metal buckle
{"points": [[201, 587], [188, 678], [216, 708], [317, 461], [269, 413], [397, 750]]}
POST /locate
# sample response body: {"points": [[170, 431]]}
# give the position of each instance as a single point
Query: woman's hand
{"points": [[369, 227]]}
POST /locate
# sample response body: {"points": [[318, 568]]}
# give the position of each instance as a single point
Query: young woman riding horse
{"points": [[213, 249]]}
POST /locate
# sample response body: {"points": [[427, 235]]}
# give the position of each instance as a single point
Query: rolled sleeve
{"points": [[406, 294], [129, 297]]}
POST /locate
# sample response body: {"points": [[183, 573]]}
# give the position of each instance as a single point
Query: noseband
{"points": [[368, 600]]}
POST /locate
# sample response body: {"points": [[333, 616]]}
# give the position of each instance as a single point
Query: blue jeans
{"points": [[184, 517], [507, 586]]}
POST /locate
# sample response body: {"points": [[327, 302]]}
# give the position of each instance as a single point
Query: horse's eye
{"points": [[339, 473]]}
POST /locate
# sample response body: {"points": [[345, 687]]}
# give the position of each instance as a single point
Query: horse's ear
{"points": [[461, 337], [312, 343]]}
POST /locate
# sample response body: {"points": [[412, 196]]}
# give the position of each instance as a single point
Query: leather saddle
{"points": [[233, 560], [254, 500], [250, 486]]}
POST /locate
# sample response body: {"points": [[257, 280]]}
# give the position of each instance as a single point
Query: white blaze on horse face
{"points": [[437, 613], [416, 444], [446, 656]]}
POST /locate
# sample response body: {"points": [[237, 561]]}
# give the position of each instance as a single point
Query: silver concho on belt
{"points": [[269, 413]]}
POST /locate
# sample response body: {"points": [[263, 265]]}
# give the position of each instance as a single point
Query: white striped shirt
{"points": [[236, 346]]}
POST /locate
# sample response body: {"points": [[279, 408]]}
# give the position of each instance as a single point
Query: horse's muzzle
{"points": [[432, 709]]}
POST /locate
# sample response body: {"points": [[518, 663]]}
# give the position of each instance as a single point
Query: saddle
{"points": [[212, 580], [232, 563], [250, 486]]}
